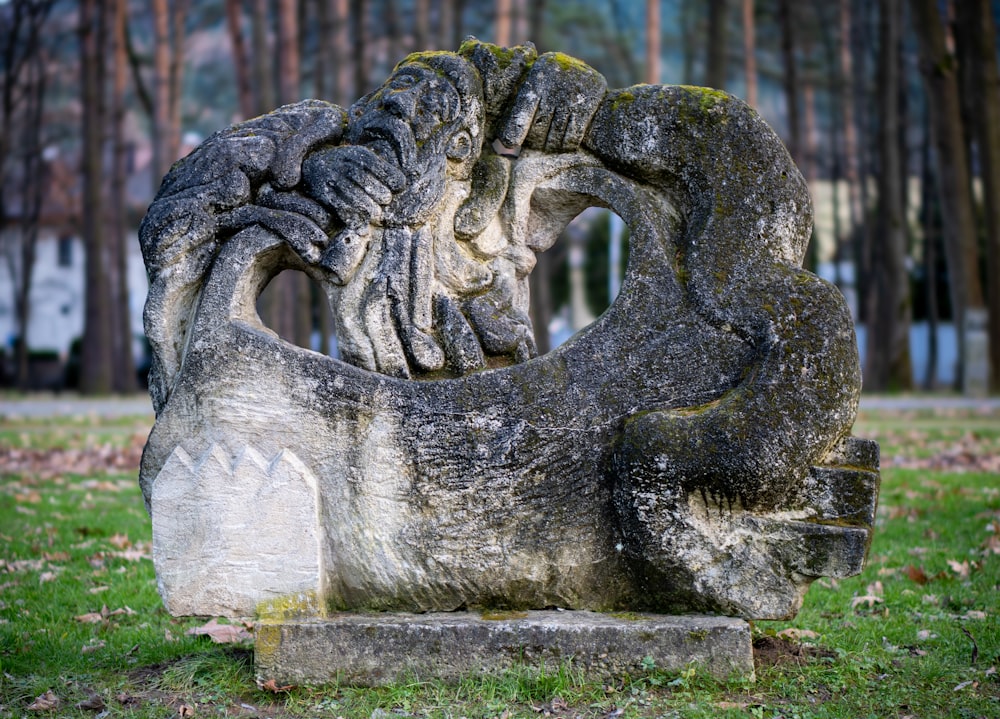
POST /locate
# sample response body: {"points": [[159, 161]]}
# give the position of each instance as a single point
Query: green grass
{"points": [[917, 634]]}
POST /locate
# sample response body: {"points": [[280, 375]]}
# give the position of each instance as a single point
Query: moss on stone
{"points": [[304, 604]]}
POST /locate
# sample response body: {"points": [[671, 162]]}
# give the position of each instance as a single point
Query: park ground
{"points": [[83, 632]]}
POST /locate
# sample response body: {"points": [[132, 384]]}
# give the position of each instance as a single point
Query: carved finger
{"points": [[421, 279], [303, 235], [325, 126], [353, 204], [463, 353], [522, 115], [294, 202], [390, 359], [385, 171], [373, 187]]}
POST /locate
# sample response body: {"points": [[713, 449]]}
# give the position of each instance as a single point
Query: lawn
{"points": [[83, 632]]}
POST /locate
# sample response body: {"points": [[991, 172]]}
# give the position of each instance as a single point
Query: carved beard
{"points": [[425, 167]]}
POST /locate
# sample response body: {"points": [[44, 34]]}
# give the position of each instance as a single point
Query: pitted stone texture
{"points": [[377, 649], [235, 532], [688, 451]]}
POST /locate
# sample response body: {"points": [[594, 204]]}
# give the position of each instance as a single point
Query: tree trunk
{"points": [[22, 60], [715, 67], [749, 53], [653, 42], [887, 357], [124, 375], [234, 21], [446, 18], [34, 86], [938, 68], [179, 10], [96, 361], [361, 43], [976, 16], [288, 52], [855, 208], [422, 24], [688, 22], [503, 13], [161, 91], [931, 231], [536, 22], [343, 92], [790, 77], [262, 56]]}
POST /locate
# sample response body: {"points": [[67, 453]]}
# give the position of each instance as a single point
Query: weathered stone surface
{"points": [[689, 451], [235, 533], [374, 649]]}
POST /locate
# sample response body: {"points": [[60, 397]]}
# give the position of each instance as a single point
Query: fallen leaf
{"points": [[120, 541], [876, 589], [89, 618], [127, 700], [221, 633], [975, 614], [98, 590], [962, 570], [796, 634], [46, 577], [869, 599], [126, 610], [963, 685], [925, 634], [272, 686], [917, 574], [185, 711], [94, 703], [47, 702], [93, 646]]}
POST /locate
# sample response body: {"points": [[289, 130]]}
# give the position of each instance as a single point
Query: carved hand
{"points": [[555, 105]]}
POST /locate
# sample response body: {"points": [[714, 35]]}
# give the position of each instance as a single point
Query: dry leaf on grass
{"points": [[870, 599], [47, 702], [797, 634], [93, 703], [961, 569], [917, 574], [272, 686], [221, 633]]}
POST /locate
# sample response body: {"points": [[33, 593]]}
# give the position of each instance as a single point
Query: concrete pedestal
{"points": [[375, 649]]}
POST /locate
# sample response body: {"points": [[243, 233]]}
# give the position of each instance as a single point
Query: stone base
{"points": [[375, 649]]}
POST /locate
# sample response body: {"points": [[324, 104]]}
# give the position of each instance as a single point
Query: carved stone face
{"points": [[412, 116]]}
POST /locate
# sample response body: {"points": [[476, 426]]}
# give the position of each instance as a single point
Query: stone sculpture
{"points": [[689, 451]]}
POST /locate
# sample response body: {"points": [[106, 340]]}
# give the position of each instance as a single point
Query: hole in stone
{"points": [[578, 279], [296, 307]]}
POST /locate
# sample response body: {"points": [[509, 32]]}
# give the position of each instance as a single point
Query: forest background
{"points": [[891, 109]]}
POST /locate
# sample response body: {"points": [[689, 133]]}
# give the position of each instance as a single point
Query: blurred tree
{"points": [[790, 77], [503, 23], [241, 63], [887, 357], [717, 50], [653, 42], [749, 53], [124, 377], [168, 70], [24, 82], [977, 35], [97, 360], [938, 67]]}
